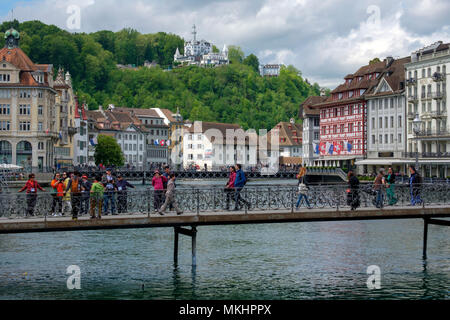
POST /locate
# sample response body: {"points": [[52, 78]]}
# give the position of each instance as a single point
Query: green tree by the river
{"points": [[235, 93], [108, 152]]}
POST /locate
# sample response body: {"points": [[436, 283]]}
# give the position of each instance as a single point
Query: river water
{"points": [[319, 260]]}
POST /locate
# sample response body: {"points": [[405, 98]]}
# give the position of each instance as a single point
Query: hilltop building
{"points": [[200, 52]]}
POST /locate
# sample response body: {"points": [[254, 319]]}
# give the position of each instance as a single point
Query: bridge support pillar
{"points": [[187, 232], [428, 221], [425, 237]]}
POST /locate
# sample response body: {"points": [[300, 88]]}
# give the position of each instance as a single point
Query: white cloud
{"points": [[324, 39]]}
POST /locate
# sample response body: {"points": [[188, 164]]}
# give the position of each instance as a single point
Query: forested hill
{"points": [[235, 93]]}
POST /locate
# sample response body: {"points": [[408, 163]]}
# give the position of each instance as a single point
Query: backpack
{"points": [[75, 186]]}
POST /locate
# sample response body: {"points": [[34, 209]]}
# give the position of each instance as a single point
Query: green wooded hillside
{"points": [[235, 93]]}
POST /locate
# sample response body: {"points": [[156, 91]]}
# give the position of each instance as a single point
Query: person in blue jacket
{"points": [[122, 186], [239, 184]]}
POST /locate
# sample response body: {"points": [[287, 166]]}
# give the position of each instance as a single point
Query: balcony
{"points": [[411, 81], [438, 76], [426, 154], [438, 114], [438, 95], [72, 130], [412, 97], [411, 115], [433, 133], [426, 96]]}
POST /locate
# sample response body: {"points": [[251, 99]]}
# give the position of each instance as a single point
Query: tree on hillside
{"points": [[108, 152], [235, 54], [252, 61]]}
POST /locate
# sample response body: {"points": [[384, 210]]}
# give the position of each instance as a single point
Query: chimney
{"points": [[389, 61]]}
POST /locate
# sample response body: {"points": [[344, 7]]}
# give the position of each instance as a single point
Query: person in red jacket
{"points": [[158, 182], [229, 188], [31, 186]]}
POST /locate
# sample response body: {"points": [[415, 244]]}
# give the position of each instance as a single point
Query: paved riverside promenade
{"points": [[138, 220]]}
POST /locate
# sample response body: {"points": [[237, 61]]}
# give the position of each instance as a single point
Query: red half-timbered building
{"points": [[343, 123]]}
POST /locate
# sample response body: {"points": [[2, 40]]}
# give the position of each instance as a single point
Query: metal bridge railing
{"points": [[258, 198]]}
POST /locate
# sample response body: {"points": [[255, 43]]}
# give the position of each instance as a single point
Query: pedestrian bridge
{"points": [[203, 207]]}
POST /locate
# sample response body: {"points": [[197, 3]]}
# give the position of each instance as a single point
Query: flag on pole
{"points": [[348, 146], [47, 131], [323, 148], [331, 149], [156, 142], [60, 135], [316, 148], [93, 141], [337, 148]]}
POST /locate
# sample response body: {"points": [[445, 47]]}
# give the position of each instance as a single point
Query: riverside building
{"points": [[28, 119], [427, 92]]}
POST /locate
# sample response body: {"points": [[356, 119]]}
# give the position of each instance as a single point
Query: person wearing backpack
{"points": [[74, 186], [415, 185], [239, 183]]}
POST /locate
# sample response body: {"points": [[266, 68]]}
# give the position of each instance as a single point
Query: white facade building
{"points": [[270, 70], [386, 120], [206, 147], [311, 129], [427, 93], [81, 138]]}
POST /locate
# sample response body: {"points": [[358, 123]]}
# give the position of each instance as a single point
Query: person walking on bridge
{"points": [[229, 188], [85, 194], [74, 186], [96, 197], [31, 186], [170, 196], [353, 192], [415, 185], [239, 184], [302, 188], [390, 191], [379, 186], [57, 185], [158, 190], [122, 195]]}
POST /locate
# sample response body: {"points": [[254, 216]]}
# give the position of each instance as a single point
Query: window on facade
{"points": [[380, 122], [39, 126], [5, 125], [373, 139], [40, 110], [24, 126], [4, 109], [380, 139], [386, 124], [399, 138], [423, 73], [23, 94], [350, 127], [429, 72], [24, 109]]}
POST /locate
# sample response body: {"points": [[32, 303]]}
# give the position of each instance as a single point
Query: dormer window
{"points": [[5, 77]]}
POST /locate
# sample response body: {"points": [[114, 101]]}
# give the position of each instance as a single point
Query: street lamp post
{"points": [[417, 126]]}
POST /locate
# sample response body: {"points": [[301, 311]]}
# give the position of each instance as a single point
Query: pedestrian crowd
{"points": [[107, 194]]}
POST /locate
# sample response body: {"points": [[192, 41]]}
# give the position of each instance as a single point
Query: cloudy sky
{"points": [[325, 39]]}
